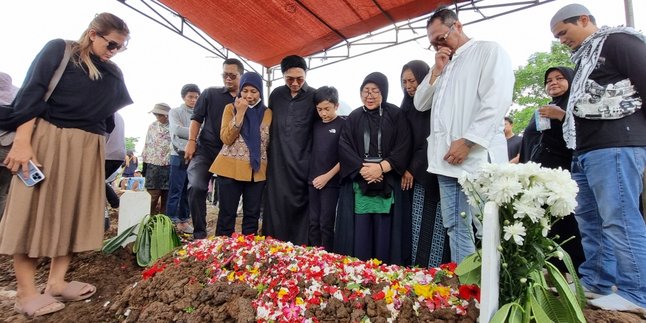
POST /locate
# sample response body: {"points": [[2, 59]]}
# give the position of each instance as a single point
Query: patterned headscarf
{"points": [[585, 59]]}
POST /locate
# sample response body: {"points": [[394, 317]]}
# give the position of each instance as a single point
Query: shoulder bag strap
{"points": [[59, 71]]}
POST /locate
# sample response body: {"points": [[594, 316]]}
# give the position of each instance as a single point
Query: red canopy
{"points": [[265, 31]]}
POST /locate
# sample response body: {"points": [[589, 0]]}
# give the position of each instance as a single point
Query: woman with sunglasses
{"points": [[63, 214]]}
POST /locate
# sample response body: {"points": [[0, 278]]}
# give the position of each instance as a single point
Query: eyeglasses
{"points": [[290, 80], [441, 39], [374, 93], [112, 45], [231, 76]]}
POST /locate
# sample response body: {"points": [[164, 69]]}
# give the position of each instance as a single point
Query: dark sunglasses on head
{"points": [[112, 45]]}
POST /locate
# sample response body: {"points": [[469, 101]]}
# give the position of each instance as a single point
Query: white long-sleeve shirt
{"points": [[468, 100]]}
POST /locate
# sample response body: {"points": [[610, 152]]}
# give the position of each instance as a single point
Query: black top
{"points": [[513, 146], [395, 141], [420, 127], [622, 57], [208, 111], [325, 149], [553, 152], [77, 101]]}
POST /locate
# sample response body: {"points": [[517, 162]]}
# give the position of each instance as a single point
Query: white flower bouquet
{"points": [[530, 199]]}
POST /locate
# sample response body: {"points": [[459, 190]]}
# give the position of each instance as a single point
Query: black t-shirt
{"points": [[325, 149], [208, 111], [513, 146], [623, 56]]}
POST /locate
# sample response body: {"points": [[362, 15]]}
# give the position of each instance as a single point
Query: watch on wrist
{"points": [[469, 143]]}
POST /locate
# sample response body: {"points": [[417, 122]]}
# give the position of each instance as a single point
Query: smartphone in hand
{"points": [[35, 175]]}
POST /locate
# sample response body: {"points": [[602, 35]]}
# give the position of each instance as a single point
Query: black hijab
{"points": [[419, 69], [548, 147], [568, 73], [419, 124]]}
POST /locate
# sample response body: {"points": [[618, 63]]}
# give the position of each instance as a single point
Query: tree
{"points": [[529, 91], [131, 142]]}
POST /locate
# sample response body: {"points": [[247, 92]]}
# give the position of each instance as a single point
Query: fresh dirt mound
{"points": [[209, 287], [177, 295]]}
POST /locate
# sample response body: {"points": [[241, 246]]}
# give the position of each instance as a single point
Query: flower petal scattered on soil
{"points": [[290, 279]]}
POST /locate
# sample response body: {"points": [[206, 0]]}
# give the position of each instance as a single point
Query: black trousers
{"points": [[322, 211], [230, 191], [110, 167], [198, 186], [372, 236]]}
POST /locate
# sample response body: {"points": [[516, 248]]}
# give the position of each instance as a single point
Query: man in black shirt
{"points": [[201, 151], [606, 126], [513, 141]]}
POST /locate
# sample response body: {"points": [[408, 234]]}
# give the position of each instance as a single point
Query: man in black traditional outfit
{"points": [[285, 216]]}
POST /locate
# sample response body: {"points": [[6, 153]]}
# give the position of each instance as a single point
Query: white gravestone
{"points": [[133, 206]]}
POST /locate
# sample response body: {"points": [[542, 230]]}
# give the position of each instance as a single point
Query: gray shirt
{"points": [[179, 119], [115, 143]]}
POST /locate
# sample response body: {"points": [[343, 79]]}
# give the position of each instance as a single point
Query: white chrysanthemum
{"points": [[516, 231], [528, 171], [536, 194], [504, 189], [528, 209]]}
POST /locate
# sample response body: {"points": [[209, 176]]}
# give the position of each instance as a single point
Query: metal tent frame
{"points": [[413, 29]]}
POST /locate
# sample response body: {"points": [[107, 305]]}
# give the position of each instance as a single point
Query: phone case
{"points": [[35, 175]]}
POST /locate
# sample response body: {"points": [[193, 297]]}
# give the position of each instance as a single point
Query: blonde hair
{"points": [[103, 24]]}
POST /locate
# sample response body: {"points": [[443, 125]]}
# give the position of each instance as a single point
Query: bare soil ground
{"points": [[173, 296]]}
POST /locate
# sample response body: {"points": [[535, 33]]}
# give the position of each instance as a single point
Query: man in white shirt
{"points": [[468, 91]]}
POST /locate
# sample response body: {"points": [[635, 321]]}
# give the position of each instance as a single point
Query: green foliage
{"points": [[469, 269], [521, 118], [155, 237], [114, 243], [529, 91], [131, 142]]}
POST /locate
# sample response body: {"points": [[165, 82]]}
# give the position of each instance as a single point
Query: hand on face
{"points": [[442, 58], [444, 38], [241, 105]]}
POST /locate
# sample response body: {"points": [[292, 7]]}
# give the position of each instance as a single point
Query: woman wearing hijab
{"points": [[548, 148], [430, 247], [241, 165], [62, 214], [374, 150]]}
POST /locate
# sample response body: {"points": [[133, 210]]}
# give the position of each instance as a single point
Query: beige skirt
{"points": [[64, 213]]}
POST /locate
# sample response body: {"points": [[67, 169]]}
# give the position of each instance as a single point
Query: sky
{"points": [[158, 62]]}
